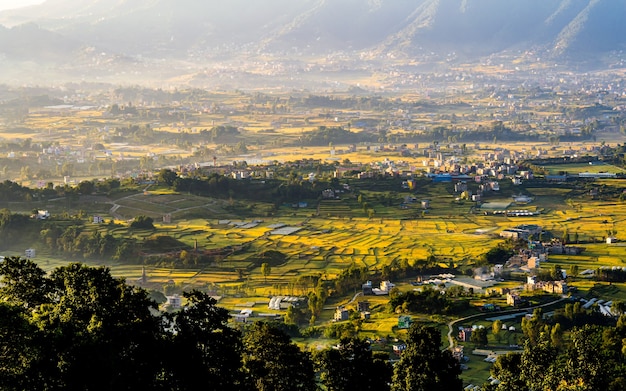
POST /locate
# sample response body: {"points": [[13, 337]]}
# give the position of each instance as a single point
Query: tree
{"points": [[556, 336], [423, 366], [618, 307], [23, 282], [166, 176], [202, 348], [532, 327], [142, 222], [539, 369], [295, 315], [585, 365], [573, 270], [108, 317], [556, 273], [19, 349], [497, 255], [86, 187], [186, 257], [496, 329], [506, 370], [274, 363], [266, 270], [479, 336], [352, 366]]}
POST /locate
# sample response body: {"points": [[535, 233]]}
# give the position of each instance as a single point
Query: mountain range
{"points": [[68, 32]]}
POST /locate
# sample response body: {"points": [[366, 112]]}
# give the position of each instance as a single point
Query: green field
{"points": [[577, 168]]}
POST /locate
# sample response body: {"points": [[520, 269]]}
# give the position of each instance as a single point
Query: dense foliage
{"points": [[80, 328], [353, 366], [592, 358], [428, 300], [424, 366]]}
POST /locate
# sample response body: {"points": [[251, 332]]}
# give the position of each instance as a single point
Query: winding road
{"points": [[510, 312]]}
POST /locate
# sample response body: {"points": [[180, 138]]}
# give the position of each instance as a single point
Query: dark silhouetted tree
{"points": [[424, 366]]}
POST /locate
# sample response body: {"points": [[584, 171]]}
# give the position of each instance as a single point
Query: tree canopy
{"points": [[423, 365], [80, 328], [353, 366]]}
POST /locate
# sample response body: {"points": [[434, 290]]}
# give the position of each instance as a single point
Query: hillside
{"points": [[195, 31]]}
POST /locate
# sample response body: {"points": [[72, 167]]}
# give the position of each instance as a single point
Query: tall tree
{"points": [[539, 369], [585, 360], [266, 270], [23, 282], [167, 176], [102, 332], [352, 366], [424, 366], [479, 336], [18, 349], [274, 363], [506, 370], [496, 329], [203, 349]]}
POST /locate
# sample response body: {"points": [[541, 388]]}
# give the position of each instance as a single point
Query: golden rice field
{"points": [[328, 244]]}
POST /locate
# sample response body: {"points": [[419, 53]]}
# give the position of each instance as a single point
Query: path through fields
{"points": [[117, 205]]}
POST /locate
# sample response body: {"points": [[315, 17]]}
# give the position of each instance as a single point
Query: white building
{"points": [[173, 301], [386, 286]]}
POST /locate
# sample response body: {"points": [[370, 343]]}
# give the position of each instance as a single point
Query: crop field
{"points": [[336, 234], [342, 235], [596, 167]]}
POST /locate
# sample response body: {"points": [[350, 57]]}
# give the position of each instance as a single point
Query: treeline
{"points": [[13, 226], [276, 191], [145, 134], [610, 274], [550, 161], [428, 300], [356, 103], [79, 328], [73, 241], [618, 154], [14, 192], [497, 131], [323, 136]]}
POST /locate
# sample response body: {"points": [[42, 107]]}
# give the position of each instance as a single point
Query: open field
{"points": [[595, 167], [342, 234]]}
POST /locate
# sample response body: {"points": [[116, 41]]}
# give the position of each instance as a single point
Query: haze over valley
{"points": [[301, 44]]}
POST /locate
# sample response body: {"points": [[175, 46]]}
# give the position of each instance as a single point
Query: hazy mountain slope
{"points": [[599, 27], [30, 43], [345, 24], [175, 28]]}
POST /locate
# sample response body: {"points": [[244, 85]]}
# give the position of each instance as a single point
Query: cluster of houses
{"points": [[284, 302], [384, 288], [554, 287], [362, 307], [522, 232]]}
